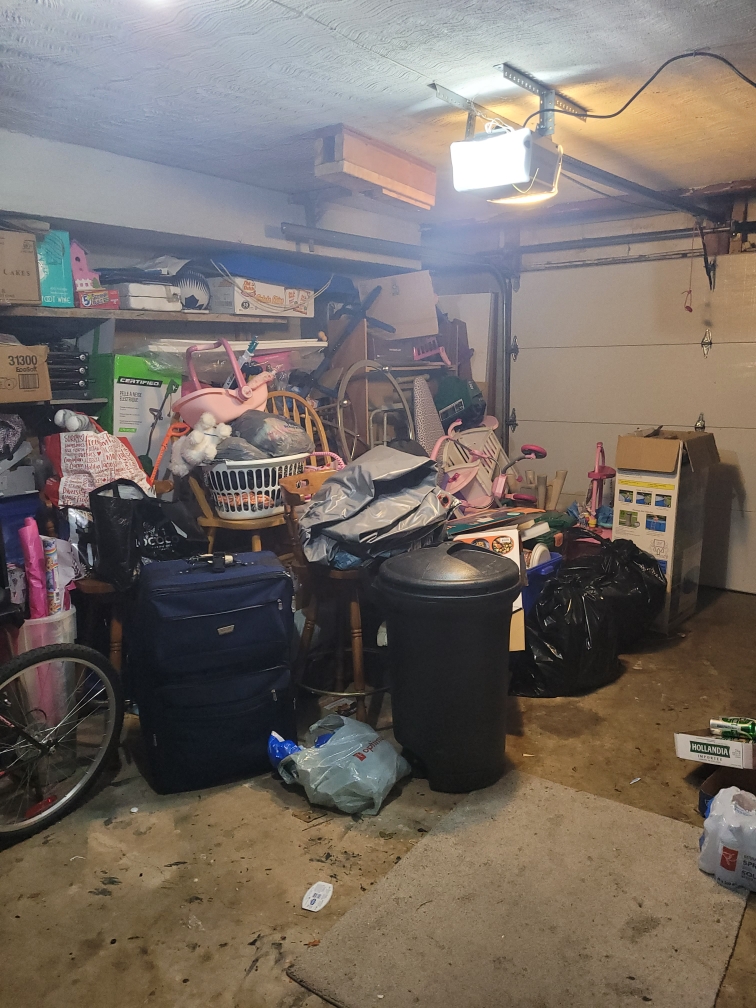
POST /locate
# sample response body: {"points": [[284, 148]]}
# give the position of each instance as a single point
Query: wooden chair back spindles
{"points": [[295, 407]]}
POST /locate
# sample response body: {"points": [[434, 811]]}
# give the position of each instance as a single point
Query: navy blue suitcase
{"points": [[209, 660]]}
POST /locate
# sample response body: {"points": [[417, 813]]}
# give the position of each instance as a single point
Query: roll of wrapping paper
{"points": [[52, 577], [34, 565]]}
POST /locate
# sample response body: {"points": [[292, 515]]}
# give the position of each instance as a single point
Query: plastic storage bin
{"points": [[448, 613], [54, 686], [242, 490], [537, 578]]}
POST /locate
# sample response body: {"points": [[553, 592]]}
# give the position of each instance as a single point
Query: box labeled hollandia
{"points": [[54, 264], [659, 496], [239, 296], [134, 389], [705, 748], [23, 373]]}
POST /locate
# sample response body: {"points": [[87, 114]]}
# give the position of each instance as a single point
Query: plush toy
{"points": [[199, 446], [72, 422]]}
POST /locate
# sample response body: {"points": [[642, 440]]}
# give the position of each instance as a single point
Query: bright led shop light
{"points": [[507, 166]]}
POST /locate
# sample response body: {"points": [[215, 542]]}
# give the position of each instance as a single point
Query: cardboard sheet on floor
{"points": [[531, 893]]}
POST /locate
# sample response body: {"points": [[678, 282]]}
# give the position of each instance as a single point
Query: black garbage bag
{"points": [[273, 434], [635, 585], [570, 640]]}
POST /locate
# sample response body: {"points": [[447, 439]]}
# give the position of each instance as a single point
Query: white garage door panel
{"points": [[634, 303], [637, 303], [733, 482], [635, 386], [731, 307], [638, 385]]}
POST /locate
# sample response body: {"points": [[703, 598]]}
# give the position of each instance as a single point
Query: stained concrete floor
{"points": [[194, 900]]}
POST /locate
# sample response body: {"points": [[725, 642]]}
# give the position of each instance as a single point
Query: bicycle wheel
{"points": [[61, 711], [346, 412]]}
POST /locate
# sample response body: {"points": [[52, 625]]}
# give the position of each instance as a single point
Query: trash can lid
{"points": [[452, 569]]}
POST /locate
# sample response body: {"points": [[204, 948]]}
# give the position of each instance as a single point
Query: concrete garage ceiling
{"points": [[234, 88]]}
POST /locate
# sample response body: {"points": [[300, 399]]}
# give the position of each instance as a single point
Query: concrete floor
{"points": [[194, 900]]}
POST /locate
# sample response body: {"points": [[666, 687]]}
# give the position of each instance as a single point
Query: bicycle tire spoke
{"points": [[77, 696]]}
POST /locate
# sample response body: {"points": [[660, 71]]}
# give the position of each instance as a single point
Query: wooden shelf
{"points": [[96, 317]]}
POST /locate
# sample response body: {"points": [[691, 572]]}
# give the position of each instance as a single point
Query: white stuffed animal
{"points": [[199, 446], [73, 422]]}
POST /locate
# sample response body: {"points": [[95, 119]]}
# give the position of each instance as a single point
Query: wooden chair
{"points": [[294, 407], [315, 579], [211, 522]]}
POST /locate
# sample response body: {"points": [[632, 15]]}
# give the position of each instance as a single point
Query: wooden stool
{"points": [[347, 585], [97, 590], [314, 581]]}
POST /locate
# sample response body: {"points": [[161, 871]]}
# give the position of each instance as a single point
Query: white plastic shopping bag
{"points": [[728, 847], [353, 769]]}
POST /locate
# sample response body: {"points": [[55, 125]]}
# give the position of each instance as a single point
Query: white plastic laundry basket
{"points": [[242, 490]]}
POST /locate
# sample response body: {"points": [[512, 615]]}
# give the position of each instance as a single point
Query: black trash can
{"points": [[448, 612]]}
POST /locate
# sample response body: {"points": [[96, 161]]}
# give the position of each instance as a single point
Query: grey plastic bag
{"points": [[383, 502], [353, 771]]}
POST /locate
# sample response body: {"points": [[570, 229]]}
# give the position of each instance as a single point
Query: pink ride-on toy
{"points": [[601, 472], [528, 453]]}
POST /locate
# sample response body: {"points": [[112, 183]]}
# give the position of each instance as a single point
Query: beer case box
{"points": [[54, 264], [240, 296], [19, 275], [705, 748], [23, 373], [134, 389], [659, 497]]}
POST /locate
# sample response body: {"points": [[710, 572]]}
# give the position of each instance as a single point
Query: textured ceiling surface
{"points": [[233, 87]]}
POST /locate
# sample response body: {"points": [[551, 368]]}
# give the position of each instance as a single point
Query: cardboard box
{"points": [[725, 777], [239, 296], [345, 157], [407, 302], [659, 496], [505, 542], [98, 298], [133, 389], [23, 373], [54, 264], [705, 748], [148, 297], [19, 276]]}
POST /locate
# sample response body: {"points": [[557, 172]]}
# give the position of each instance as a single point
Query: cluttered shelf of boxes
{"points": [[316, 447]]}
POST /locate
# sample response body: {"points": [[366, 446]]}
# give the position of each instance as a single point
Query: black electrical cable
{"points": [[642, 88], [599, 192]]}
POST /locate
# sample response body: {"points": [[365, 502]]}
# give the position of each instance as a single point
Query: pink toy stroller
{"points": [[224, 404]]}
